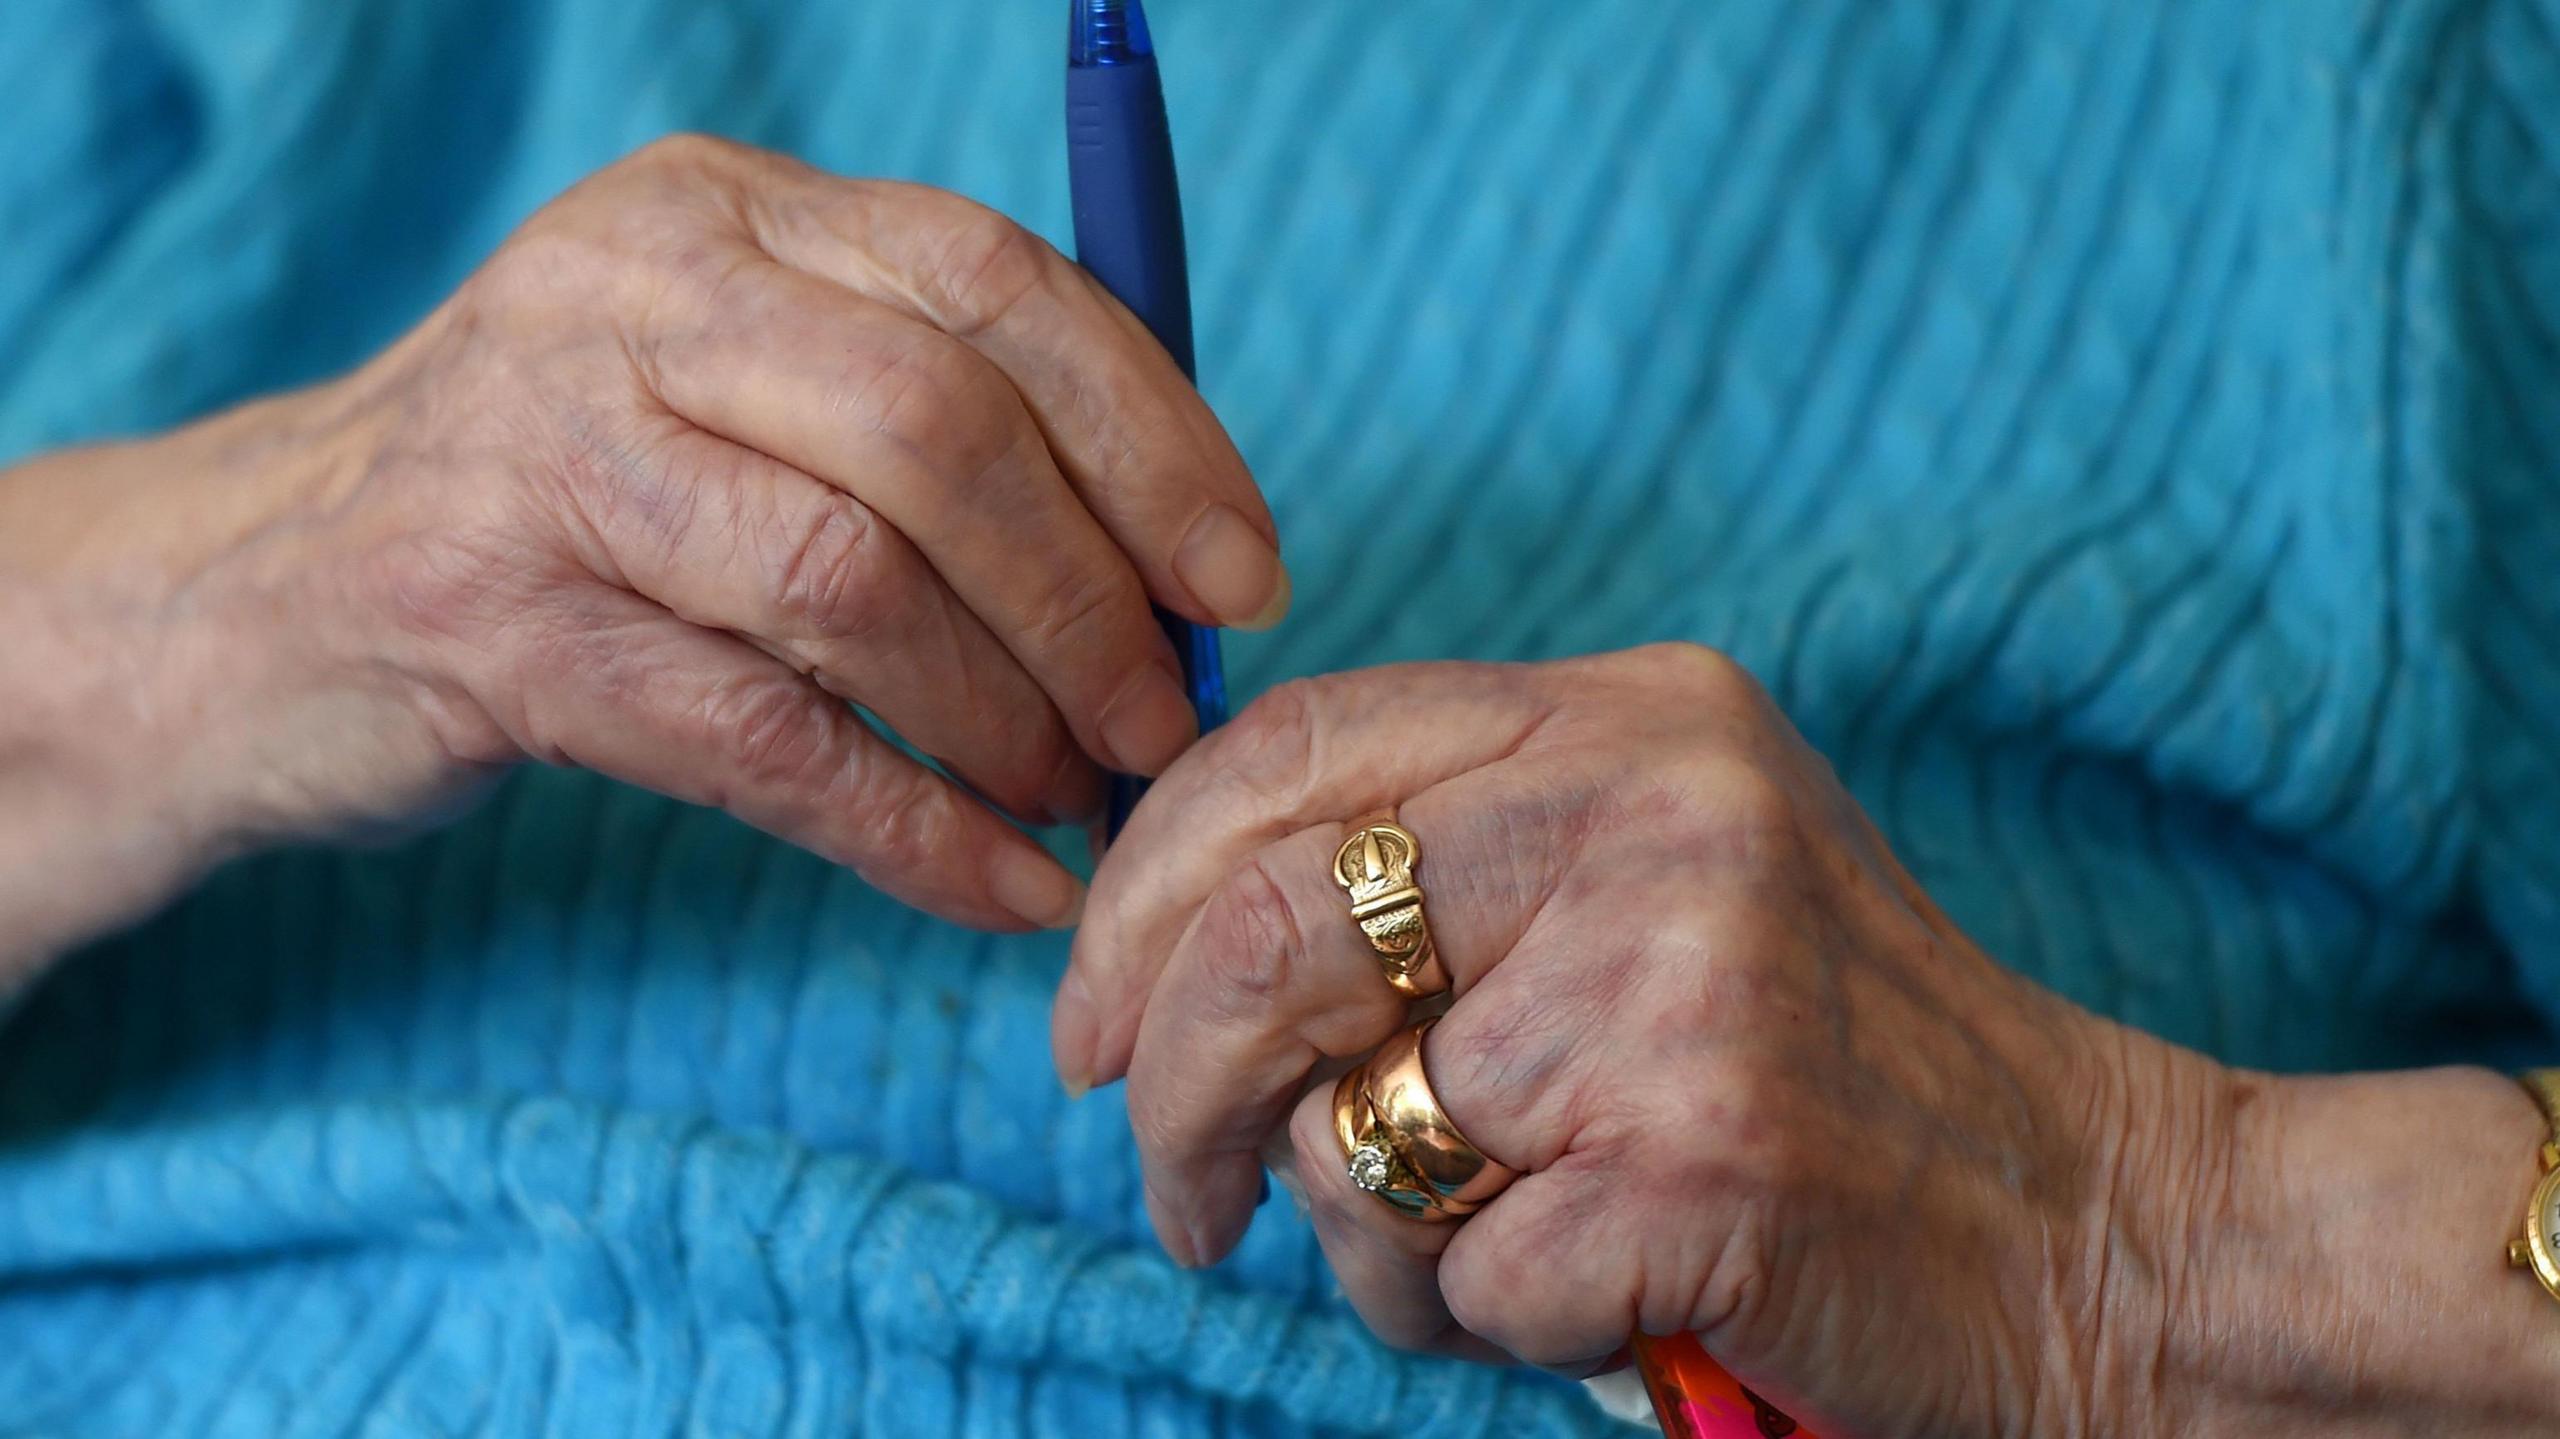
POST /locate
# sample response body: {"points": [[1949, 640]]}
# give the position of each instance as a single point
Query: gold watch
{"points": [[2539, 1249]]}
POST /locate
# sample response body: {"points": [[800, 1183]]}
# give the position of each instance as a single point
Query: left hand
{"points": [[1758, 1087]]}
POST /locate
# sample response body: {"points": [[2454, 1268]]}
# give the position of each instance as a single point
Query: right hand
{"points": [[714, 445]]}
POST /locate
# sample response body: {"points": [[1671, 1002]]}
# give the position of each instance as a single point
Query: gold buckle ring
{"points": [[1375, 868]]}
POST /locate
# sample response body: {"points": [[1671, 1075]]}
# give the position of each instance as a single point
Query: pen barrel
{"points": [[1128, 223], [1128, 204]]}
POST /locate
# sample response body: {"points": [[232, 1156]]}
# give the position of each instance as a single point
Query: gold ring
{"points": [[1400, 1145], [1457, 1173], [1371, 1163], [1375, 867]]}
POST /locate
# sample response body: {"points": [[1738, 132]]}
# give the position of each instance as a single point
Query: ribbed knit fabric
{"points": [[2125, 436]]}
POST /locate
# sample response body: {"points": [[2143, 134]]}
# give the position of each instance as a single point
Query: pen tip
{"points": [[1107, 32]]}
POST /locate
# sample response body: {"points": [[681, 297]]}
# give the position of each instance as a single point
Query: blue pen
{"points": [[1129, 235]]}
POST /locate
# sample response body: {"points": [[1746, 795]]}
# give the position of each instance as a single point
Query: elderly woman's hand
{"points": [[716, 443], [1758, 1086]]}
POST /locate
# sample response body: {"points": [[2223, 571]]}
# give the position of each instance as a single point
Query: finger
{"points": [[1129, 430], [729, 538], [624, 687], [1552, 1269], [1310, 752], [1260, 940], [1543, 1273], [928, 434], [1274, 976], [1539, 1273], [1387, 1264]]}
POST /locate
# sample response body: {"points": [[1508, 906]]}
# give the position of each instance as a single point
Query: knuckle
{"points": [[1606, 980], [638, 216], [450, 588], [770, 734], [909, 826], [1077, 605], [1250, 937], [1272, 744], [1711, 671], [919, 396], [1749, 817], [831, 578], [685, 150], [1756, 802], [985, 266], [685, 286], [626, 488], [1502, 1057]]}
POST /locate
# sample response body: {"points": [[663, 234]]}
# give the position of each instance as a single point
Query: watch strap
{"points": [[2544, 1086]]}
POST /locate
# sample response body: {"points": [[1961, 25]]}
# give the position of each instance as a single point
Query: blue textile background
{"points": [[2124, 435]]}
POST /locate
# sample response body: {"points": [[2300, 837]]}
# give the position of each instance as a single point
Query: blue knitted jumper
{"points": [[2125, 436]]}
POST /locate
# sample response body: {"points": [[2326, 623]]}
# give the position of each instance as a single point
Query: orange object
{"points": [[1695, 1399]]}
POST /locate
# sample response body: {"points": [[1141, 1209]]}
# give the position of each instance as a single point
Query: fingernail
{"points": [[1173, 1235], [1206, 1250], [1233, 570], [1034, 887], [1150, 724], [1273, 613], [1071, 1026], [1219, 1222]]}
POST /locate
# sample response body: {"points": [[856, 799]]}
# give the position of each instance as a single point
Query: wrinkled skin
{"points": [[718, 442], [714, 444], [1760, 1088]]}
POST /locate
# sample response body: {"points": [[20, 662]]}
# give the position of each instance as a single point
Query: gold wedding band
{"points": [[1458, 1174], [1400, 1145], [1375, 868]]}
